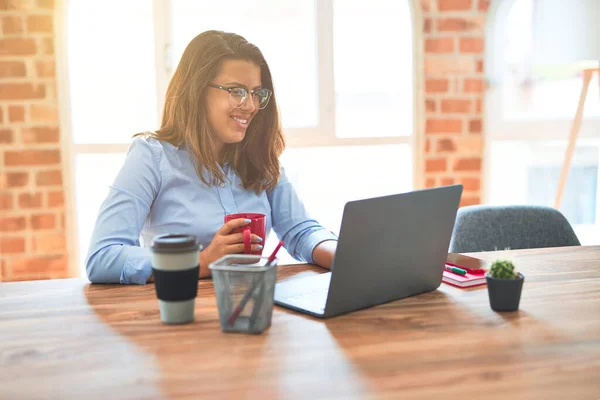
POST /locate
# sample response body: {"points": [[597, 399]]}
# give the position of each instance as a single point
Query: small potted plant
{"points": [[504, 286]]}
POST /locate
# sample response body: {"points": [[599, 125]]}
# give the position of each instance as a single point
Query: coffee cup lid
{"points": [[174, 243]]}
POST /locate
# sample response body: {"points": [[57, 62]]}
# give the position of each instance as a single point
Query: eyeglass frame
{"points": [[251, 93]]}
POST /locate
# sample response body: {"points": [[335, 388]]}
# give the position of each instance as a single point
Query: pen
{"points": [[455, 270]]}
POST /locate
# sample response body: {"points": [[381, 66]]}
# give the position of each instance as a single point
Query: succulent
{"points": [[503, 270]]}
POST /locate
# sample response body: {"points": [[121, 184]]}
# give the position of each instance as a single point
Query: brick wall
{"points": [[453, 43], [32, 221]]}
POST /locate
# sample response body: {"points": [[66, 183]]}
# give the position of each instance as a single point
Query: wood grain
{"points": [[70, 339]]}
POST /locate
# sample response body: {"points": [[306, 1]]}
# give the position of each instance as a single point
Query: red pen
{"points": [[471, 271], [274, 253]]}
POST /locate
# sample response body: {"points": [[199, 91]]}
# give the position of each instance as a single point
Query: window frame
{"points": [[531, 130], [321, 135]]}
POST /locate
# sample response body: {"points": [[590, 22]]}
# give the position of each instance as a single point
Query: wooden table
{"points": [[69, 339]]}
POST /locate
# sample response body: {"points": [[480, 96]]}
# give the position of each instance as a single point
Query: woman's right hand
{"points": [[225, 243]]}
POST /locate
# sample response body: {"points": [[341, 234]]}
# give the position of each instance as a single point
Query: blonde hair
{"points": [[184, 120]]}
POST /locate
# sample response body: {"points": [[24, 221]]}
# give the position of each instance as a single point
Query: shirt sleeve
{"points": [[292, 223], [115, 255]]}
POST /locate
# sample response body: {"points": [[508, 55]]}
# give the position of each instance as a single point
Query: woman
{"points": [[216, 153]]}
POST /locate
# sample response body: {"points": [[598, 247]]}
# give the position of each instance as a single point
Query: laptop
{"points": [[389, 248]]}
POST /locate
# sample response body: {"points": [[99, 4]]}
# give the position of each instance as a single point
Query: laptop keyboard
{"points": [[310, 300], [309, 293]]}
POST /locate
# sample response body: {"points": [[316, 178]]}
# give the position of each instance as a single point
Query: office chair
{"points": [[488, 228]]}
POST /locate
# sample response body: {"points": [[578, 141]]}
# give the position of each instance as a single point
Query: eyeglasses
{"points": [[239, 94]]}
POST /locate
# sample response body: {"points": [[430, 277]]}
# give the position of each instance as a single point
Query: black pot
{"points": [[505, 294]]}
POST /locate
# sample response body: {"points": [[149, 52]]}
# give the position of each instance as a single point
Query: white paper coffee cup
{"points": [[176, 270]]}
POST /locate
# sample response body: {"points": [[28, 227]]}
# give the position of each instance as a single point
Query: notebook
{"points": [[468, 280]]}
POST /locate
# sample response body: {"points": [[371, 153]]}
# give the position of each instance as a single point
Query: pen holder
{"points": [[245, 288]]}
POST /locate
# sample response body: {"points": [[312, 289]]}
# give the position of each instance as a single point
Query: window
{"points": [[278, 28], [529, 111], [345, 96], [112, 93]]}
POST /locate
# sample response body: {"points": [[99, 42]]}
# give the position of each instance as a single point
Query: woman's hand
{"points": [[225, 243]]}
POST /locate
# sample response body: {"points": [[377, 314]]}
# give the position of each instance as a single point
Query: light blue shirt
{"points": [[158, 191]]}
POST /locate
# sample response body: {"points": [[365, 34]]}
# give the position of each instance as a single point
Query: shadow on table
{"points": [[190, 359]]}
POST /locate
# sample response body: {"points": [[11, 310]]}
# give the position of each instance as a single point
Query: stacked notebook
{"points": [[463, 281], [474, 267]]}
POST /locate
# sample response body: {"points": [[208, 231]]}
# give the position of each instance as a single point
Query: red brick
{"points": [[475, 126], [11, 69], [12, 24], [455, 5], [37, 265], [40, 135], [16, 113], [1, 114], [430, 182], [470, 183], [30, 200], [17, 47], [48, 45], [430, 105], [31, 157], [445, 65], [443, 126], [13, 180], [49, 178], [469, 201], [436, 165], [12, 224], [45, 68], [426, 5], [56, 199], [479, 66], [47, 4], [446, 181], [456, 106], [484, 5], [40, 23], [469, 145], [427, 25], [436, 85], [6, 136], [459, 24], [440, 45], [478, 107], [12, 245], [471, 45], [467, 164], [473, 85], [21, 91], [43, 221], [49, 243], [43, 113], [15, 5], [6, 201], [445, 145]]}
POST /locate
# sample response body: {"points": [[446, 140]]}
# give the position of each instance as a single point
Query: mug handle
{"points": [[247, 241]]}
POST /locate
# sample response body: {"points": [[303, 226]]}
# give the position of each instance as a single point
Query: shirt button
{"points": [[222, 184]]}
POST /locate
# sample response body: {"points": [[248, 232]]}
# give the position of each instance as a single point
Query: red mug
{"points": [[257, 226]]}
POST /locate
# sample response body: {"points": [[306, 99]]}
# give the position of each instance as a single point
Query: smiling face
{"points": [[227, 123]]}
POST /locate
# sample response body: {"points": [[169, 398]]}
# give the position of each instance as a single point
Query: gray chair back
{"points": [[488, 228]]}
